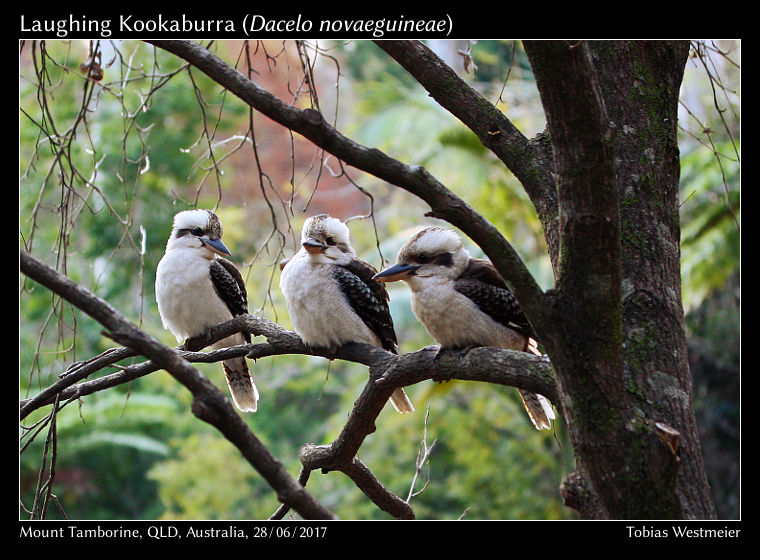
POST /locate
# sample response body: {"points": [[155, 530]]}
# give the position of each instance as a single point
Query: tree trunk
{"points": [[615, 327]]}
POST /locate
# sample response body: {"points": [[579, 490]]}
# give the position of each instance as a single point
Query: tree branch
{"points": [[387, 372], [487, 365], [416, 180], [608, 430], [209, 404], [530, 160]]}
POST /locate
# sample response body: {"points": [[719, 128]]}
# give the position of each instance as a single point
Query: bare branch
{"points": [[209, 403], [309, 123], [387, 371], [423, 453], [529, 160]]}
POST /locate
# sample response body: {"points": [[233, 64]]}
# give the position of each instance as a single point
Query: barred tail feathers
{"points": [[539, 409], [242, 388], [538, 406], [401, 402]]}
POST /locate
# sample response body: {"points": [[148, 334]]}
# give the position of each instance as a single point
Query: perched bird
{"points": [[196, 289], [464, 303], [331, 297]]}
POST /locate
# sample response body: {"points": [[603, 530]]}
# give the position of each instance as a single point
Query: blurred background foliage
{"points": [[104, 166]]}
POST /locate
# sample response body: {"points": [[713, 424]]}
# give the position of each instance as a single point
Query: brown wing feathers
{"points": [[368, 298], [230, 287], [483, 285]]}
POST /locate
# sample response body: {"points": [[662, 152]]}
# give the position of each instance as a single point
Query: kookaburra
{"points": [[331, 297], [463, 302], [196, 289]]}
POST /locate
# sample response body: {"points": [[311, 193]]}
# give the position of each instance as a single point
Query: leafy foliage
{"points": [[710, 247]]}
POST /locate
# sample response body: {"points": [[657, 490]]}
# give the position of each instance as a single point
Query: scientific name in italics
{"points": [[251, 25]]}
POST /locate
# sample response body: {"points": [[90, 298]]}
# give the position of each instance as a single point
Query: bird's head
{"points": [[433, 252], [198, 229], [327, 240]]}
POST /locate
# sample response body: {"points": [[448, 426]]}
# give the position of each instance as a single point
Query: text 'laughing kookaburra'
{"points": [[196, 289], [464, 303], [331, 297]]}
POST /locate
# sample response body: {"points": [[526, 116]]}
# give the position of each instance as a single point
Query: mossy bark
{"points": [[615, 332]]}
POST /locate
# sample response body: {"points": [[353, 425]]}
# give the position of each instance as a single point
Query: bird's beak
{"points": [[396, 272], [313, 246], [215, 245]]}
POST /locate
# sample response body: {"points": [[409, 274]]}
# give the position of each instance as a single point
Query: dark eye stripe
{"points": [[189, 231], [444, 259]]}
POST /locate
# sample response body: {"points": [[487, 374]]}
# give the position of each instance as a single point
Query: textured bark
{"points": [[604, 181], [643, 81], [585, 334], [618, 342]]}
